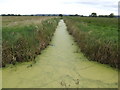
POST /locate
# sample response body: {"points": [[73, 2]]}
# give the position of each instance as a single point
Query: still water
{"points": [[60, 66]]}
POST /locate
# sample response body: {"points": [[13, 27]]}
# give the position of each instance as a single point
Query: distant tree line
{"points": [[31, 15], [95, 15], [92, 15], [10, 15]]}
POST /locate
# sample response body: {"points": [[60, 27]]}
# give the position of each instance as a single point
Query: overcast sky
{"points": [[82, 7]]}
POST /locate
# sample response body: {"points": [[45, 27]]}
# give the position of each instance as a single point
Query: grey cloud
{"points": [[111, 6], [97, 3]]}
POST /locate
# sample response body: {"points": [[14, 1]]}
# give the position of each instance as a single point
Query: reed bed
{"points": [[96, 37], [24, 37]]}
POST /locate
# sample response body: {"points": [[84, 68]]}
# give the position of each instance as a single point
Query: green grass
{"points": [[25, 39], [97, 37]]}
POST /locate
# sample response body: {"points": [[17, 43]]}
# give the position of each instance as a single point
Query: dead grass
{"points": [[24, 37]]}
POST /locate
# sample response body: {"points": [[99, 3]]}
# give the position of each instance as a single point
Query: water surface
{"points": [[59, 66]]}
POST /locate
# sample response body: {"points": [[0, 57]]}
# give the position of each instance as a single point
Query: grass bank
{"points": [[96, 37], [25, 36]]}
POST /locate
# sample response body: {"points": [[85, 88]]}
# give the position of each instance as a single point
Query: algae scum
{"points": [[60, 66]]}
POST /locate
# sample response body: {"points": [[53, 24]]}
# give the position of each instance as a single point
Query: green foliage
{"points": [[93, 14], [24, 42], [111, 15], [97, 37]]}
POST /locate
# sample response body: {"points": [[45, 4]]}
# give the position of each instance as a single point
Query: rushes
{"points": [[24, 42], [97, 38]]}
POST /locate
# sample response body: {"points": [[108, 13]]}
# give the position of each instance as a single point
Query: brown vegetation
{"points": [[23, 42], [96, 37]]}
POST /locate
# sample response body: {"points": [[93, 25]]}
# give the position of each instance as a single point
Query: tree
{"points": [[3, 14], [111, 15], [82, 16], [103, 15], [19, 15], [76, 15], [60, 15], [93, 14]]}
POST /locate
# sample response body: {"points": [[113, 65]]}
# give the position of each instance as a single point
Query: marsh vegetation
{"points": [[97, 37], [60, 66], [25, 36]]}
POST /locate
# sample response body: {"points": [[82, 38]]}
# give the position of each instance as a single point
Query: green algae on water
{"points": [[59, 66]]}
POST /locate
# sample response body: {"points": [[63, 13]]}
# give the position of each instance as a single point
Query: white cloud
{"points": [[58, 6]]}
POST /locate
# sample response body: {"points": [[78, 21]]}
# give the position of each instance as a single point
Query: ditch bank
{"points": [[97, 41], [23, 43]]}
